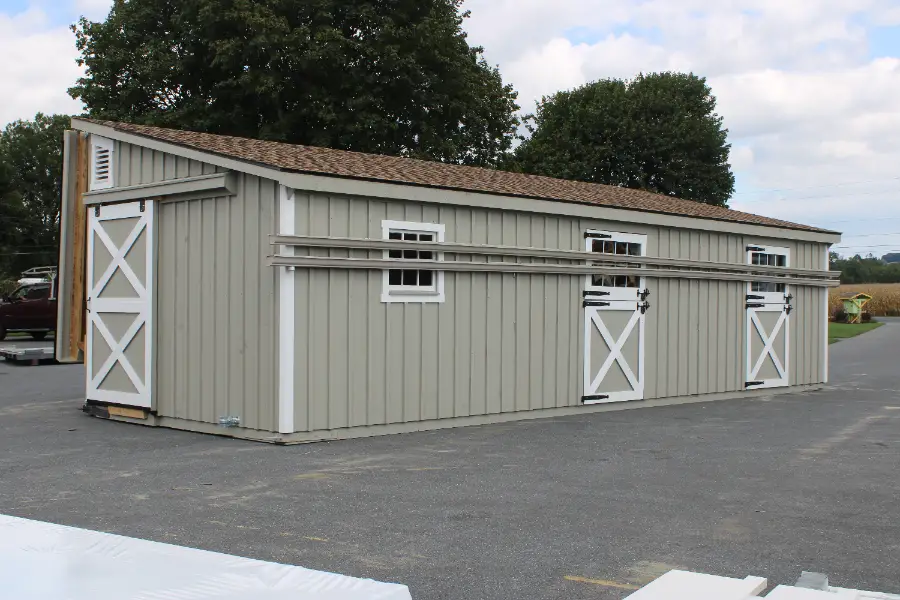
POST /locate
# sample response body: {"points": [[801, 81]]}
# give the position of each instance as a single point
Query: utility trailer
{"points": [[33, 356]]}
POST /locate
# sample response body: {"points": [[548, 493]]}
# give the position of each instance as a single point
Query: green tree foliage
{"points": [[31, 165], [12, 215], [868, 269], [658, 132], [386, 76]]}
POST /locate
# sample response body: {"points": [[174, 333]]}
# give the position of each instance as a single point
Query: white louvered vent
{"points": [[101, 163]]}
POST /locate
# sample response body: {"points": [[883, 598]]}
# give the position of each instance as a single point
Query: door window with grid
{"points": [[411, 284], [613, 286], [772, 257]]}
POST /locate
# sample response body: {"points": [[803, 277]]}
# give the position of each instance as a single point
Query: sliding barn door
{"points": [[120, 288]]}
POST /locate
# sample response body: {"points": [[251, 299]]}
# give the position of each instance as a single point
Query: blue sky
{"points": [[884, 41], [809, 92]]}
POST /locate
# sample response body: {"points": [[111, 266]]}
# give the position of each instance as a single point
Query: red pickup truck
{"points": [[31, 308]]}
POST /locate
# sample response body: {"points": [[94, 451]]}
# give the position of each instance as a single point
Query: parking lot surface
{"points": [[588, 506]]}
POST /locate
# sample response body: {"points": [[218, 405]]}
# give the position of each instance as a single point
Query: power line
{"points": [[859, 220], [873, 234], [872, 246], [812, 187], [751, 200]]}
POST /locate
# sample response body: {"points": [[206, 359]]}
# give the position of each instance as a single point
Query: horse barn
{"points": [[289, 293]]}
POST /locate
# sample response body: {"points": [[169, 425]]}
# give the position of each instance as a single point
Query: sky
{"points": [[809, 89]]}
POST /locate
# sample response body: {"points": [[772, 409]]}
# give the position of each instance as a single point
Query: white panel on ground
{"points": [[676, 585], [787, 592], [42, 560], [699, 586]]}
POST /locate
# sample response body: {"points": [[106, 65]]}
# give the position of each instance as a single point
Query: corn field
{"points": [[885, 298]]}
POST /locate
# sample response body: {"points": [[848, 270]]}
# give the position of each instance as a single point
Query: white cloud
{"points": [[38, 68], [807, 109], [92, 9]]}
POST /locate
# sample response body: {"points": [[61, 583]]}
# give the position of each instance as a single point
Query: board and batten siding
{"points": [[508, 342], [216, 309], [500, 342], [136, 165]]}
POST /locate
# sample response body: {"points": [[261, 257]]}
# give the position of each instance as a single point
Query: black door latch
{"points": [[587, 303]]}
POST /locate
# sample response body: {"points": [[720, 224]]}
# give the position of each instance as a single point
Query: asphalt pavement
{"points": [[589, 506], [22, 385]]}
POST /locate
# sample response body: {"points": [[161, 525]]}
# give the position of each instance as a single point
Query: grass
{"points": [[842, 331], [885, 298]]}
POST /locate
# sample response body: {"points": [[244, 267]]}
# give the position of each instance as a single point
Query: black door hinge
{"points": [[598, 236], [788, 298], [587, 303], [755, 305], [752, 383], [644, 293], [787, 309], [590, 293], [97, 211], [755, 249], [594, 397], [142, 206], [754, 297], [643, 306]]}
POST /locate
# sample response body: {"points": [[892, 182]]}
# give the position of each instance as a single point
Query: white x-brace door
{"points": [[614, 310], [120, 283], [768, 322]]}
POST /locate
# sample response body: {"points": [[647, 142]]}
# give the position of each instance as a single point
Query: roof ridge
{"points": [[413, 171]]}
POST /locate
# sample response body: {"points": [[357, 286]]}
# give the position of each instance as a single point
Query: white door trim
{"points": [[140, 307], [768, 301], [593, 381], [286, 308], [599, 299]]}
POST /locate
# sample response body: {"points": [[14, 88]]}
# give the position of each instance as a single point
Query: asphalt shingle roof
{"points": [[392, 169]]}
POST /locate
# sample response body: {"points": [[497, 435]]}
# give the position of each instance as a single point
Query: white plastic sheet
{"points": [[43, 561]]}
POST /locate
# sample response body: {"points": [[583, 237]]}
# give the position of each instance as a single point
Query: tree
{"points": [[386, 76], [11, 218], [658, 132], [868, 269], [31, 155]]}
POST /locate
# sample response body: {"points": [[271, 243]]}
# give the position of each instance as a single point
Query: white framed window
{"points": [[621, 245], [768, 256], [413, 285], [102, 150]]}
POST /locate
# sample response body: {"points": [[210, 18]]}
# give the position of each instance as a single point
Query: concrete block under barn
{"points": [[289, 293]]}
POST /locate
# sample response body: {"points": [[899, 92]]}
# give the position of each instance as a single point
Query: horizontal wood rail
{"points": [[325, 262], [681, 266]]}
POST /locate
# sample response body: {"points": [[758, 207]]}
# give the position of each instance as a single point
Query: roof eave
{"points": [[277, 173]]}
